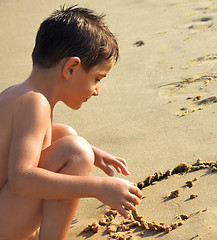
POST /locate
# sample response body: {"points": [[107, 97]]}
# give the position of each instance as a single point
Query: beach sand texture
{"points": [[157, 107]]}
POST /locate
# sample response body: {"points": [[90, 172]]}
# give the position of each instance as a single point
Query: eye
{"points": [[97, 80]]}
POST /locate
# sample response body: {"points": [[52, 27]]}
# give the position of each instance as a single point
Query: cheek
{"points": [[84, 91], [89, 88]]}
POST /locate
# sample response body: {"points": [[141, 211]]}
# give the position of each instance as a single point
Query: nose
{"points": [[96, 91]]}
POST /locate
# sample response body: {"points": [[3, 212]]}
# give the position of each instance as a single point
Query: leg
{"points": [[58, 214], [61, 130], [34, 236], [20, 216]]}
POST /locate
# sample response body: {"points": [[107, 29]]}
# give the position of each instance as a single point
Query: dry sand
{"points": [[157, 107]]}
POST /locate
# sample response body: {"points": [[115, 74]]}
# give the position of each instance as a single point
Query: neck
{"points": [[45, 81]]}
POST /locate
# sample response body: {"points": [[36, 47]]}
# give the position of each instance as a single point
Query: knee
{"points": [[61, 130], [80, 154]]}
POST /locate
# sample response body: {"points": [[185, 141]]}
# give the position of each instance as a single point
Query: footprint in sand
{"points": [[205, 21], [202, 23]]}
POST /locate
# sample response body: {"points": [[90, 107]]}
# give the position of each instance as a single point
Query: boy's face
{"points": [[82, 85]]}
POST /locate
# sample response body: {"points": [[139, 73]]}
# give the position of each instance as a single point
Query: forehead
{"points": [[104, 67]]}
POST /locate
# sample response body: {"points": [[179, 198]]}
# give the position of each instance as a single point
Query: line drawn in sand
{"points": [[198, 101], [206, 58], [136, 225], [198, 105], [176, 86]]}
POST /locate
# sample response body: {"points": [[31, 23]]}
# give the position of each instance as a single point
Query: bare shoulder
{"points": [[34, 107], [33, 99], [15, 99]]}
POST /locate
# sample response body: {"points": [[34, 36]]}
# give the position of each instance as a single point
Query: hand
{"points": [[103, 160], [119, 194]]}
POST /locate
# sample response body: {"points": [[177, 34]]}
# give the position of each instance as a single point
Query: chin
{"points": [[74, 107]]}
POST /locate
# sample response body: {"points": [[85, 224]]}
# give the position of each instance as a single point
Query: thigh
{"points": [[21, 216]]}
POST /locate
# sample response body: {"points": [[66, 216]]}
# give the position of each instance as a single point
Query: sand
{"points": [[157, 107]]}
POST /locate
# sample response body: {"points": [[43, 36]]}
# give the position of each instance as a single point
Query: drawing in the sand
{"points": [[116, 227]]}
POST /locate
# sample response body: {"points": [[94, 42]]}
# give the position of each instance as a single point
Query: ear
{"points": [[69, 66]]}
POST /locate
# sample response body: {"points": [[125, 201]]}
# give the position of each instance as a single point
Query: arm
{"points": [[31, 121]]}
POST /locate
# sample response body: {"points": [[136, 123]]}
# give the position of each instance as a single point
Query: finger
{"points": [[123, 212], [135, 190], [129, 206], [122, 170], [122, 160], [118, 170], [123, 164], [119, 166], [107, 169], [133, 199]]}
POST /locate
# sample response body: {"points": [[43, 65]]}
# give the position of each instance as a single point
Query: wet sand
{"points": [[157, 107]]}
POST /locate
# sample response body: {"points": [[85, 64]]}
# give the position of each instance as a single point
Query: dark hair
{"points": [[74, 31]]}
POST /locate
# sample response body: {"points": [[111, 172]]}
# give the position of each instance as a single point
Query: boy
{"points": [[44, 167]]}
